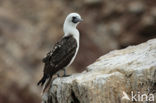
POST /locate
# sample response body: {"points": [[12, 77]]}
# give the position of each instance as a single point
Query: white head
{"points": [[71, 21]]}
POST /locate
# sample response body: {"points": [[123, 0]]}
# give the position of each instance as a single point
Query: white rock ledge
{"points": [[127, 70]]}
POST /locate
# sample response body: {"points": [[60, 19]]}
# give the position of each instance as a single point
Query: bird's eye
{"points": [[74, 19]]}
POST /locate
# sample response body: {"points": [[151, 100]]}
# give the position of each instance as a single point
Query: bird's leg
{"points": [[65, 75], [64, 72]]}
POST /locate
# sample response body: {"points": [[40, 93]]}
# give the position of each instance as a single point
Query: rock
{"points": [[29, 28], [120, 72]]}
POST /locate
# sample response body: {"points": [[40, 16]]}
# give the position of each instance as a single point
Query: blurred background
{"points": [[29, 28]]}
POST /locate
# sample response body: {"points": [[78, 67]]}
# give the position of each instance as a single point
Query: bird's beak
{"points": [[80, 20]]}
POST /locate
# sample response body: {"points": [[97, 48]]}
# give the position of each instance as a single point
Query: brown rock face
{"points": [[129, 72], [29, 28]]}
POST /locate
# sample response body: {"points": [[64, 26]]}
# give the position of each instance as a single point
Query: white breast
{"points": [[71, 30], [77, 40]]}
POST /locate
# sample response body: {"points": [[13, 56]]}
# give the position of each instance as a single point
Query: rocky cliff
{"points": [[120, 73], [29, 28]]}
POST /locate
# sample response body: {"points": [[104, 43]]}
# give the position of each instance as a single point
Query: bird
{"points": [[64, 51]]}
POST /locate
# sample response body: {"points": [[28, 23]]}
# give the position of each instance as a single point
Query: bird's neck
{"points": [[71, 30]]}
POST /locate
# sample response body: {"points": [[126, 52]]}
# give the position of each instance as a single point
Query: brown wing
{"points": [[60, 56]]}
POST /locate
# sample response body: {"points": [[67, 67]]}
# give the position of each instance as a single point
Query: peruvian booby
{"points": [[64, 51]]}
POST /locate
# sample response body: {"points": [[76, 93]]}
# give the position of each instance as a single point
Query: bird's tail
{"points": [[43, 80], [47, 85]]}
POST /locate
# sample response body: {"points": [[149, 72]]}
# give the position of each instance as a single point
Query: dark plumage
{"points": [[59, 57], [64, 51]]}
